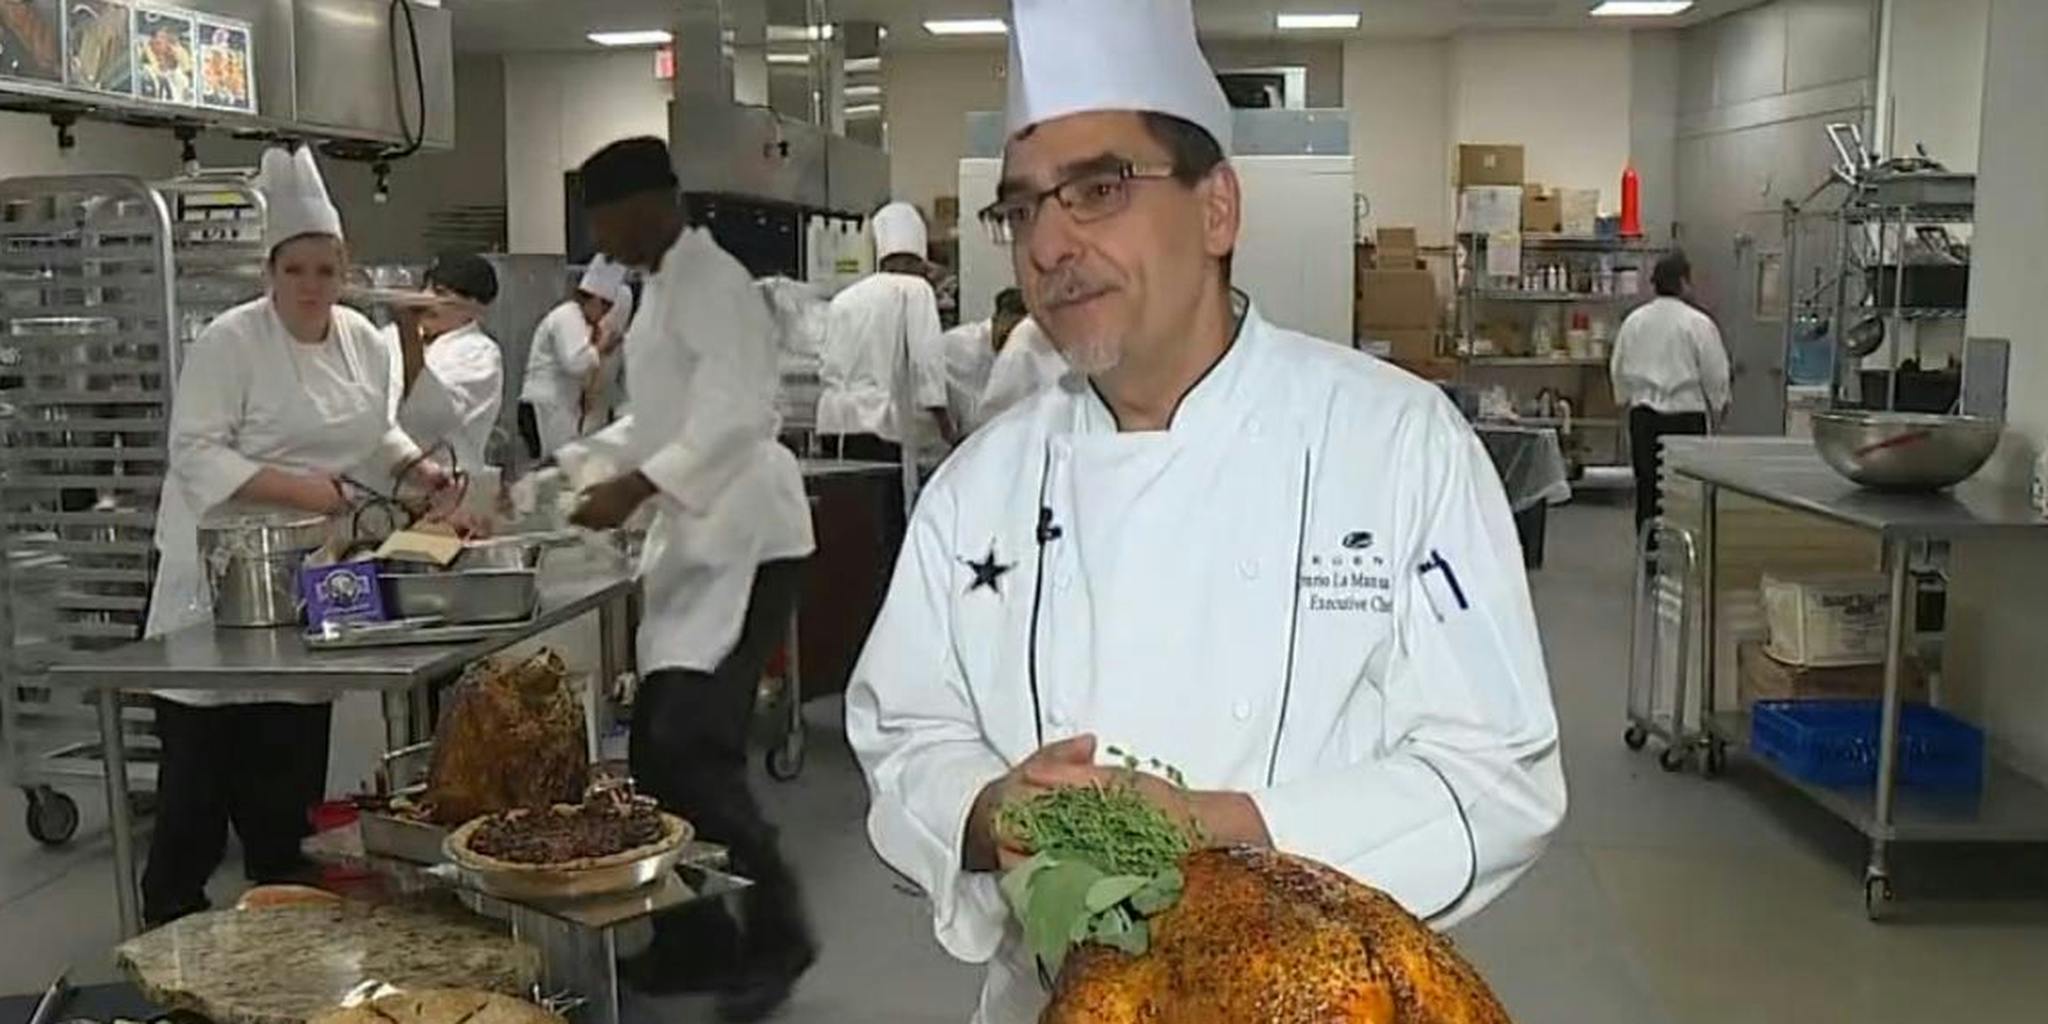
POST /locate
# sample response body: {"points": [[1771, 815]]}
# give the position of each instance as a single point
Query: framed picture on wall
{"points": [[97, 55], [227, 66], [166, 56], [32, 40]]}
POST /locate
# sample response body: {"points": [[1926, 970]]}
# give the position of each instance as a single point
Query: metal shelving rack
{"points": [[1877, 213], [102, 280], [1589, 372]]}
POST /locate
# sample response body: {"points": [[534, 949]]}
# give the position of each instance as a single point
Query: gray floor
{"points": [[1665, 899]]}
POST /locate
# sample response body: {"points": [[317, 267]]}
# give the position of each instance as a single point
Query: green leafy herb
{"points": [[1106, 859]]}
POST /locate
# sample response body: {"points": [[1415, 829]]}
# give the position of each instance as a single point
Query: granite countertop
{"points": [[285, 965]]}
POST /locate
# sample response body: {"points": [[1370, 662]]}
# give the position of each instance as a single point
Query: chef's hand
{"points": [[1067, 764], [607, 505]]}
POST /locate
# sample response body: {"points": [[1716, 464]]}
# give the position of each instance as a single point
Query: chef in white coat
{"points": [[572, 365], [1277, 563], [722, 570], [971, 351], [883, 358], [278, 400], [451, 373], [1028, 364]]}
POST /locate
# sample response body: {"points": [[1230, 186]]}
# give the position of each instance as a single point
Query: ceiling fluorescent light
{"points": [[966, 27], [1641, 8], [1315, 21], [640, 37], [789, 58]]}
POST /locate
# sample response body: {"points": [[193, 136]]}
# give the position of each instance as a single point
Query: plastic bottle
{"points": [[1631, 203]]}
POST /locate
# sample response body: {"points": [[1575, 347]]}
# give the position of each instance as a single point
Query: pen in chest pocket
{"points": [[1440, 585]]}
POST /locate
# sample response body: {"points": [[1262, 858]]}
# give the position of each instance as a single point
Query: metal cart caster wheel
{"points": [[1671, 759], [52, 817], [785, 760], [1715, 761], [1877, 897], [1635, 737]]}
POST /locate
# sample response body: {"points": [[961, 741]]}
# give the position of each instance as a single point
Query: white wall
{"points": [[1937, 78], [28, 146], [559, 109], [1653, 128], [1398, 93], [1564, 95], [1997, 595], [927, 97]]}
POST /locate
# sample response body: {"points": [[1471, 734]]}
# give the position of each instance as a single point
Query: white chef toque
{"points": [[604, 279], [295, 198], [1081, 56], [899, 229]]}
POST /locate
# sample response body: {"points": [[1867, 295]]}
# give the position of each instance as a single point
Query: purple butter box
{"points": [[343, 592]]}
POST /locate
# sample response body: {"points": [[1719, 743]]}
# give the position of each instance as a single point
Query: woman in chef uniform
{"points": [[277, 401], [573, 350]]}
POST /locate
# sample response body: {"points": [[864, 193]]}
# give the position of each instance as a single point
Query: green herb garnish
{"points": [[1104, 860]]}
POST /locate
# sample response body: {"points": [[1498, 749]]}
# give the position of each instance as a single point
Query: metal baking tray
{"points": [[387, 835], [406, 633], [464, 598]]}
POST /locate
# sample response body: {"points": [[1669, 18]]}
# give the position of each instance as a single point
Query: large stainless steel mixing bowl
{"points": [[1902, 451]]}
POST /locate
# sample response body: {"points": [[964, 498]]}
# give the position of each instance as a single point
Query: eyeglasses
{"points": [[1087, 196]]}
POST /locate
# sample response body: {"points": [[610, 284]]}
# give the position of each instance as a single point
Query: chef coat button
{"points": [[1242, 709], [1249, 568], [1251, 427]]}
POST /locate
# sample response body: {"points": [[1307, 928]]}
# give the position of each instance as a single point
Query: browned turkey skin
{"points": [[1275, 939]]}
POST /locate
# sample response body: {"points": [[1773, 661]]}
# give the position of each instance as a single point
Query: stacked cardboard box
{"points": [[1578, 211], [1398, 310], [1488, 165], [1540, 213], [1762, 677]]}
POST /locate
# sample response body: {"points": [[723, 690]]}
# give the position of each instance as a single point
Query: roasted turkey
{"points": [[1267, 938], [511, 736]]}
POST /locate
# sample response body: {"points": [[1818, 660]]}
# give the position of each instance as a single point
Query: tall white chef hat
{"points": [[604, 279], [899, 229], [295, 197], [1080, 56]]}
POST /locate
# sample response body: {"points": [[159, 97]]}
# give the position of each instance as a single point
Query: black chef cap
{"points": [[465, 274], [627, 168]]}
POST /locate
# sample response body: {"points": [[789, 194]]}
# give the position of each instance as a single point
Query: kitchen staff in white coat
{"points": [[1275, 562], [451, 373], [971, 351], [1028, 364], [277, 400], [883, 360], [722, 569], [573, 344]]}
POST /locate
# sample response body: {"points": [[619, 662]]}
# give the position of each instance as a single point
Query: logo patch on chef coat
{"points": [[1347, 577], [988, 572]]}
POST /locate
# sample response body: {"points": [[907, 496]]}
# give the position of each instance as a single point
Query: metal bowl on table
{"points": [[252, 565], [1903, 451]]}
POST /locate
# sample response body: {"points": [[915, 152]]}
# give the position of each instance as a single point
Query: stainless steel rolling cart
{"points": [[102, 281], [1667, 577]]}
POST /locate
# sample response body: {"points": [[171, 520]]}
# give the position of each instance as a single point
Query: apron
{"points": [[322, 426]]}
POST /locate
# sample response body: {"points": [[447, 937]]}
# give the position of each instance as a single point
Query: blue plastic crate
{"points": [[1834, 743]]}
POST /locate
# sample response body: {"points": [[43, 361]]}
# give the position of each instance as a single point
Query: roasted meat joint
{"points": [[1133, 920]]}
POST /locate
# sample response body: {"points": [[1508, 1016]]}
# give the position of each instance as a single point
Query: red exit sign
{"points": [[665, 63]]}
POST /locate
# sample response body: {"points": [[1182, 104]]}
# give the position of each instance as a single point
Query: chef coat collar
{"points": [[1210, 400]]}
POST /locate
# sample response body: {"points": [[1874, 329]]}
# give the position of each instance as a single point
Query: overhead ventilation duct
{"points": [[761, 108], [360, 75]]}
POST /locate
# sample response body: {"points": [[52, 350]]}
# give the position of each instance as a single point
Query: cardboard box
{"points": [[1397, 299], [1762, 677], [1578, 211], [1540, 213], [1490, 209], [1397, 248], [1489, 165], [1399, 344], [946, 210]]}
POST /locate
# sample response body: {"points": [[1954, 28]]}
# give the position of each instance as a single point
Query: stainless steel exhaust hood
{"points": [[338, 71], [760, 108]]}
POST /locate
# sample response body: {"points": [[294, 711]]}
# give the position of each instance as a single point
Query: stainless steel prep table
{"points": [[1789, 474], [209, 658]]}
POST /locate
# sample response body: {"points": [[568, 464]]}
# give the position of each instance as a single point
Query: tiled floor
{"points": [[1665, 898]]}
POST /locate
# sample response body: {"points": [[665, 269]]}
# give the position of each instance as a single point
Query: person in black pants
{"points": [[1671, 374], [730, 532], [260, 767]]}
